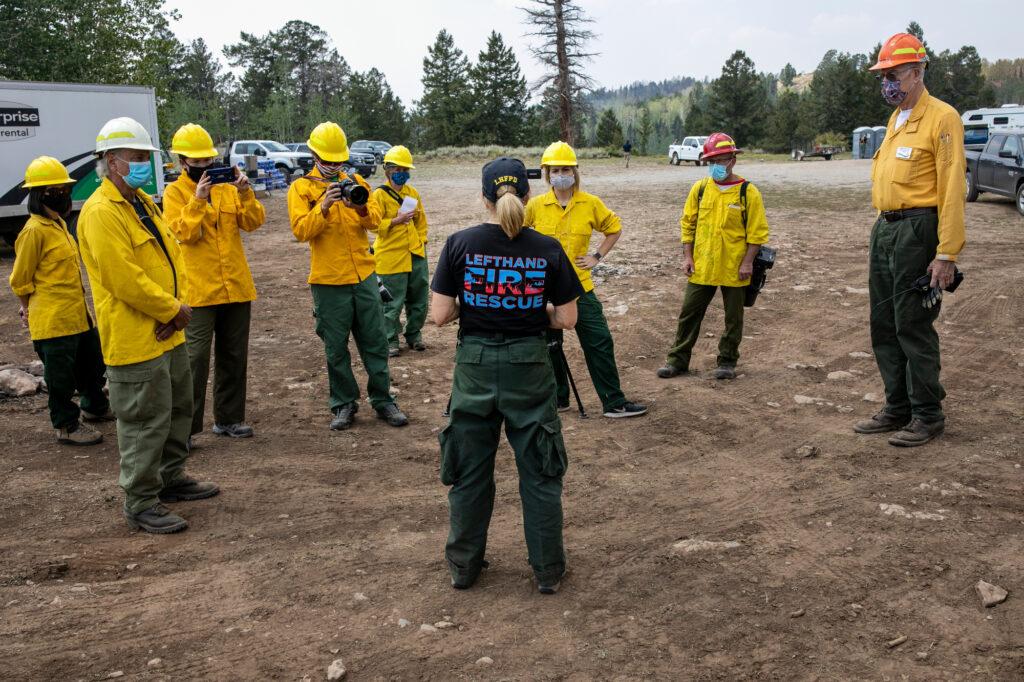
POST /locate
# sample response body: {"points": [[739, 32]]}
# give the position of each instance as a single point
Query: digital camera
{"points": [[763, 262], [353, 191]]}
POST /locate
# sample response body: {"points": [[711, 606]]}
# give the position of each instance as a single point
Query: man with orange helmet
{"points": [[918, 188]]}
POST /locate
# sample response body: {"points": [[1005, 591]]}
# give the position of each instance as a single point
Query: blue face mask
{"points": [[718, 172], [400, 177], [139, 174]]}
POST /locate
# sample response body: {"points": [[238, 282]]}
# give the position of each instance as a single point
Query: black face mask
{"points": [[195, 174], [58, 203]]}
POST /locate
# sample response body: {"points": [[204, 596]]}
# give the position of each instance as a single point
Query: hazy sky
{"points": [[638, 39]]}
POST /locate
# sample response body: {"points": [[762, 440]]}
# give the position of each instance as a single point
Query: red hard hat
{"points": [[718, 144]]}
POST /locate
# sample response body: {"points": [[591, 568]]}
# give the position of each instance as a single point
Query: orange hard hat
{"points": [[902, 48], [718, 144]]}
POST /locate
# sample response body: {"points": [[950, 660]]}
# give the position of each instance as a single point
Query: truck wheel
{"points": [[972, 189], [828, 157], [674, 161], [699, 161], [1020, 198]]}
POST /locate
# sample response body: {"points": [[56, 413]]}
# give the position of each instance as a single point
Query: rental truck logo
{"points": [[17, 121]]}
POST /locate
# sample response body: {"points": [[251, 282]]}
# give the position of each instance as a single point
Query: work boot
{"points": [[394, 351], [344, 416], [626, 409], [107, 416], [392, 415], [669, 371], [563, 406], [918, 432], [883, 422], [191, 444], [724, 372], [465, 580], [234, 430], [549, 584], [156, 519], [187, 489], [78, 434], [417, 346]]}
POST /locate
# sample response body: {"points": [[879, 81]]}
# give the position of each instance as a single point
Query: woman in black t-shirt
{"points": [[506, 286]]}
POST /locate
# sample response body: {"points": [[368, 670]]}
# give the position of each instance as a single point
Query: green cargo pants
{"points": [[226, 328], [153, 403], [510, 381], [598, 351], [71, 363], [695, 305], [409, 290], [353, 309], [903, 337]]}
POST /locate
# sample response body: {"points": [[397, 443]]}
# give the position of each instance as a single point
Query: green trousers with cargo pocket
{"points": [[225, 328], [153, 404], [695, 304], [598, 351], [353, 309], [71, 363], [903, 336], [409, 290], [506, 381]]}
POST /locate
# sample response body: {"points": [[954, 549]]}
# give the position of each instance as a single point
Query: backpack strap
{"points": [[392, 193], [743, 203], [700, 195]]}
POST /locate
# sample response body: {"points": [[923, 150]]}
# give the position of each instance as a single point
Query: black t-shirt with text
{"points": [[503, 285]]}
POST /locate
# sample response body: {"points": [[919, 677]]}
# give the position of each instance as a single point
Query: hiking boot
{"points": [[191, 443], [79, 434], [669, 371], [464, 581], [392, 415], [550, 584], [418, 346], [234, 430], [187, 489], [724, 372], [344, 416], [563, 407], [883, 422], [626, 409], [394, 352], [918, 432], [107, 416], [156, 519]]}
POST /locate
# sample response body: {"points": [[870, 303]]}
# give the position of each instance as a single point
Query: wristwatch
{"points": [[597, 255]]}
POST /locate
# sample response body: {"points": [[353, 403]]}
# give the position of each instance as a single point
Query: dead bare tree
{"points": [[561, 26]]}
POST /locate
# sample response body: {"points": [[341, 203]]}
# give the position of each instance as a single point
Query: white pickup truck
{"points": [[285, 160], [692, 149]]}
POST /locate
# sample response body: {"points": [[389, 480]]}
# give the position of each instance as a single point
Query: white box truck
{"points": [[61, 120]]}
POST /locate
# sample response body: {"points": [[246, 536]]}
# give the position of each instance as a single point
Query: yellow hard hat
{"points": [[194, 142], [558, 154], [328, 141], [400, 156], [45, 171]]}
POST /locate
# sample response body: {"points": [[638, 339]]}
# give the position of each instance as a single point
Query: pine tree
{"points": [[698, 122], [446, 107], [737, 106], [376, 112], [644, 130], [609, 131], [499, 94], [787, 75]]}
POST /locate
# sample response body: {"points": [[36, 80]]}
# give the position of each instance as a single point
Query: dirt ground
{"points": [[324, 545]]}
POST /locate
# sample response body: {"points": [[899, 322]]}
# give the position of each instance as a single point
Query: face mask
{"points": [[562, 181], [892, 93], [718, 172], [194, 174], [58, 203], [400, 177], [139, 173], [328, 170]]}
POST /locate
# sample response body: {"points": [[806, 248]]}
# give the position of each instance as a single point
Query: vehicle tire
{"points": [[674, 161], [1020, 198], [972, 189], [828, 157]]}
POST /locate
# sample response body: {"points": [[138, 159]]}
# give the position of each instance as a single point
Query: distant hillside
{"points": [[638, 92]]}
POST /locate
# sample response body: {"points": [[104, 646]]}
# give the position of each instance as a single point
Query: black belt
{"points": [[893, 216], [500, 336]]}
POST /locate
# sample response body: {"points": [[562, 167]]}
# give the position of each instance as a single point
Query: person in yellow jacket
{"points": [[47, 279], [208, 220], [401, 253], [723, 226], [917, 186], [331, 210], [571, 216], [139, 288]]}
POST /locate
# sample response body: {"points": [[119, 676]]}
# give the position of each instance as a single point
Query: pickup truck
{"points": [[998, 168], [285, 160], [363, 161], [692, 149]]}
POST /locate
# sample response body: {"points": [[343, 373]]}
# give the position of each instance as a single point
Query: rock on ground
{"points": [[839, 375], [485, 660], [806, 451], [691, 546], [336, 670], [901, 511], [990, 594], [16, 382]]}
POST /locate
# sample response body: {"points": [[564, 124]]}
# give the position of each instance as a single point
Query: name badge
{"points": [[903, 152], [736, 207]]}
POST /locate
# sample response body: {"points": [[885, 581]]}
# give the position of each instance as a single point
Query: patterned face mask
{"points": [[892, 93]]}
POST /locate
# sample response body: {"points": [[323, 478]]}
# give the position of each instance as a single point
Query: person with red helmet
{"points": [[723, 226], [917, 181]]}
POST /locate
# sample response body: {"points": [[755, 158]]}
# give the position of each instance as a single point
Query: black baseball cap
{"points": [[505, 171]]}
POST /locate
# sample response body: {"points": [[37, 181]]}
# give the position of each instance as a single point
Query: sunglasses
{"points": [[892, 76]]}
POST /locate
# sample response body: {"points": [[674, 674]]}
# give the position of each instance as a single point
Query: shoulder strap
{"points": [[700, 195], [392, 193], [743, 203]]}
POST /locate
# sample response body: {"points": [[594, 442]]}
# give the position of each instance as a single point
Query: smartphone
{"points": [[534, 173], [220, 174]]}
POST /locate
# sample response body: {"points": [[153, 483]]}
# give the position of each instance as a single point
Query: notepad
{"points": [[408, 205]]}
